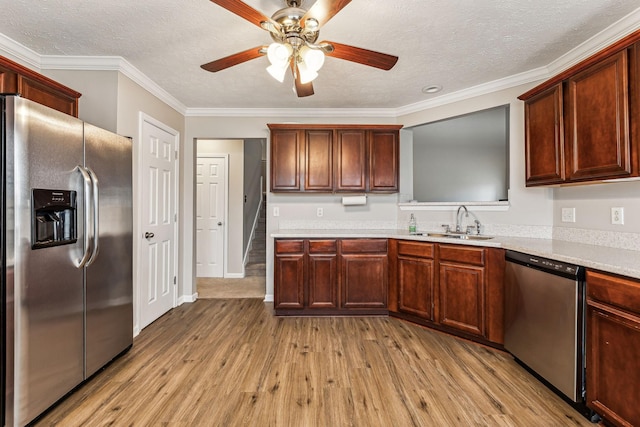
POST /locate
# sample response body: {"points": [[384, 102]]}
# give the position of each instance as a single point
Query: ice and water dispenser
{"points": [[53, 218]]}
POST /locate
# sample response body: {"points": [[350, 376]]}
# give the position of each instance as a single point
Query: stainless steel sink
{"points": [[460, 236]]}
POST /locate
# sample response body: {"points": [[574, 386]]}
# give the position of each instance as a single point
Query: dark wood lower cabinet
{"points": [[455, 288], [462, 298], [330, 276], [289, 274], [364, 278], [613, 348], [416, 279], [323, 274]]}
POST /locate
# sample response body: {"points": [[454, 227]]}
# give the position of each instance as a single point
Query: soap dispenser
{"points": [[412, 225]]}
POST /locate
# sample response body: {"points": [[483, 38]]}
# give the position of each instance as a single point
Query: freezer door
{"points": [[44, 305], [109, 277]]}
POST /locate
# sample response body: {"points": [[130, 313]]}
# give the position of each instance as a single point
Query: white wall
{"points": [[593, 205], [99, 89], [235, 149]]}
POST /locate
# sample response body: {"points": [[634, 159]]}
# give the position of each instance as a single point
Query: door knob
{"points": [[220, 223], [148, 235]]}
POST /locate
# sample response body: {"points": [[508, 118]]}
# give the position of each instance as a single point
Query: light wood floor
{"points": [[247, 287], [232, 363]]}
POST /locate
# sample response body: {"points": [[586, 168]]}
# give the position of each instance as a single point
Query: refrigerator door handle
{"points": [[96, 204], [87, 216]]}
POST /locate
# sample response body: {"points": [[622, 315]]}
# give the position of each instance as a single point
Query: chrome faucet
{"points": [[459, 217]]}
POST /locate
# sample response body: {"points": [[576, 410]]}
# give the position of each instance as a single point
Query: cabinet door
{"points": [[323, 274], [318, 175], [613, 351], [364, 273], [462, 297], [415, 283], [285, 160], [364, 280], [384, 161], [350, 160], [544, 138], [288, 274], [598, 140]]}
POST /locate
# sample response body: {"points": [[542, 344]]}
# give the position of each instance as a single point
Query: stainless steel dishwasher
{"points": [[544, 322]]}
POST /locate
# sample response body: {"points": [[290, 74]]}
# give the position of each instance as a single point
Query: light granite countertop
{"points": [[613, 260]]}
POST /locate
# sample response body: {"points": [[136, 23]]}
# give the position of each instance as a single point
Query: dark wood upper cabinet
{"points": [[286, 149], [16, 79], [598, 120], [350, 155], [583, 124], [384, 161], [318, 160], [335, 158], [544, 138]]}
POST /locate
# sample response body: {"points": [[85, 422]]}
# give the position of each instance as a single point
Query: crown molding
{"points": [[112, 63], [19, 53], [604, 38], [28, 57]]}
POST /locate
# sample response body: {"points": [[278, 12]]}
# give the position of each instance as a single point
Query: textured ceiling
{"points": [[457, 44]]}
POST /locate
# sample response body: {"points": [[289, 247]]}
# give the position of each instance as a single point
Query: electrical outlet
{"points": [[276, 211], [568, 214], [319, 212], [617, 216]]}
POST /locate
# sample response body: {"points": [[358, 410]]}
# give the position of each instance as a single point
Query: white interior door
{"points": [[157, 197], [211, 184]]}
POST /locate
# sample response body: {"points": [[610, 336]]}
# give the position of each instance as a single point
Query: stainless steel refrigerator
{"points": [[66, 245]]}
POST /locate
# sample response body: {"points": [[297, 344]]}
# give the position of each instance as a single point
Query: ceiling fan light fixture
{"points": [[306, 74], [279, 53], [277, 72], [312, 58]]}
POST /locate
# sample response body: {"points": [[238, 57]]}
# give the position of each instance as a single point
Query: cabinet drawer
{"points": [[323, 246], [618, 291], [289, 246], [359, 246], [463, 254], [422, 250]]}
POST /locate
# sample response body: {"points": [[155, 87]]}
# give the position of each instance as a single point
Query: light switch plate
{"points": [[617, 216], [276, 211], [568, 214]]}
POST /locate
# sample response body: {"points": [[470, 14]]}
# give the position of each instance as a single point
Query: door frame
{"points": [[225, 228], [137, 223]]}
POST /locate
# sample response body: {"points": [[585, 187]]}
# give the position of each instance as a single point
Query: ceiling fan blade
{"points": [[323, 10], [235, 59], [362, 56], [245, 11], [305, 89]]}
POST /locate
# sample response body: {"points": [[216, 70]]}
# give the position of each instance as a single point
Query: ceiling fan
{"points": [[295, 33]]}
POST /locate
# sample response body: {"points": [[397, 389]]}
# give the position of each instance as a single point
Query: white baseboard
{"points": [[268, 298], [187, 298], [234, 276]]}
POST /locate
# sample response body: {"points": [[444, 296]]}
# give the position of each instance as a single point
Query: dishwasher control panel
{"points": [[545, 264]]}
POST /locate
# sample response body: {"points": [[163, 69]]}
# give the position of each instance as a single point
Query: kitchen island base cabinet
{"points": [[321, 277], [613, 348]]}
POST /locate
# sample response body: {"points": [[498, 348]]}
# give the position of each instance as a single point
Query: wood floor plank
{"points": [[232, 363]]}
